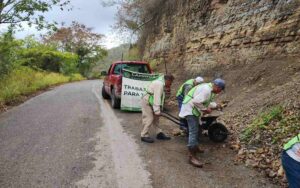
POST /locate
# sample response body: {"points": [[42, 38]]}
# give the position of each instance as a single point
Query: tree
{"points": [[14, 12], [9, 48], [132, 14], [138, 18], [80, 40]]}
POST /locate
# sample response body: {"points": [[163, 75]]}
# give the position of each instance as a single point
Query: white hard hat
{"points": [[199, 80]]}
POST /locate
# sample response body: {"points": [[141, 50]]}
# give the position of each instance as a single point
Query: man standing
{"points": [[183, 91], [291, 161], [151, 107], [198, 100]]}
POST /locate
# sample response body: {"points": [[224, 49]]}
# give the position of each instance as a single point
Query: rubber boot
{"points": [[193, 160]]}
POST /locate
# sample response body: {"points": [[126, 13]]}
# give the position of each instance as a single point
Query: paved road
{"points": [[60, 139], [71, 137]]}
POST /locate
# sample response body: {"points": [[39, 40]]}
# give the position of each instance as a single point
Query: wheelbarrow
{"points": [[217, 132]]}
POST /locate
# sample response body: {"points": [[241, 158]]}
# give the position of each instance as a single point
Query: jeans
{"points": [[292, 170], [193, 125]]}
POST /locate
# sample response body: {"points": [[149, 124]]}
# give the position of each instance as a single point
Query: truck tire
{"points": [[217, 132], [104, 94], [115, 102]]}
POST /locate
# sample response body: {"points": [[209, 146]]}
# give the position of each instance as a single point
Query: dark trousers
{"points": [[292, 170], [183, 124], [179, 100]]}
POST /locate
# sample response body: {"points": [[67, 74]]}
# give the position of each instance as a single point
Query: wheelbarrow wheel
{"points": [[217, 132]]}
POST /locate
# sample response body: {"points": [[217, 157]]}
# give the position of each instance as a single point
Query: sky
{"points": [[88, 12]]}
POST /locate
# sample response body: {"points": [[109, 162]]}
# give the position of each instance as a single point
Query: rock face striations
{"points": [[205, 33]]}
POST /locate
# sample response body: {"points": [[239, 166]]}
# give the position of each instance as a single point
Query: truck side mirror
{"points": [[103, 73]]}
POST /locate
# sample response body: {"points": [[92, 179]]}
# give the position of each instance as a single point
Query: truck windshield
{"points": [[142, 68]]}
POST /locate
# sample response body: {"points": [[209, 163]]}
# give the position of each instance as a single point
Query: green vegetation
{"points": [[80, 41], [115, 54], [14, 12], [28, 65], [24, 81], [8, 53], [275, 126], [262, 121], [47, 58]]}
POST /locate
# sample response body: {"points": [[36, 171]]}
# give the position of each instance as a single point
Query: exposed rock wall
{"points": [[205, 33]]}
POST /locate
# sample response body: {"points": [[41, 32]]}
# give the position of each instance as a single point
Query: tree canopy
{"points": [[14, 12], [80, 40]]}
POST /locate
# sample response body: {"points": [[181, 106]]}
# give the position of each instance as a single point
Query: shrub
{"points": [[76, 77], [9, 48], [49, 59]]}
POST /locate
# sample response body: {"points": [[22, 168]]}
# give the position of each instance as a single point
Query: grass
{"points": [[276, 125], [262, 122], [24, 81]]}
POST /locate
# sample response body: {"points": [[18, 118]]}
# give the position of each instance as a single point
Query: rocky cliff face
{"points": [[255, 46], [203, 33]]}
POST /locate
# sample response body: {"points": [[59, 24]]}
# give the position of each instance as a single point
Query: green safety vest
{"points": [[292, 142], [190, 95], [180, 91], [151, 96]]}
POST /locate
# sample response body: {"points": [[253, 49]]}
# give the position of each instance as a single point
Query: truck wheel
{"points": [[115, 102], [104, 94], [217, 132]]}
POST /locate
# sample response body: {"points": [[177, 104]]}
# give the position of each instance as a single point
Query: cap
{"points": [[199, 80], [220, 83]]}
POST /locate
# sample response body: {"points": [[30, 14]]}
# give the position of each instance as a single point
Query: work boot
{"points": [[147, 139], [162, 136], [193, 160], [199, 150]]}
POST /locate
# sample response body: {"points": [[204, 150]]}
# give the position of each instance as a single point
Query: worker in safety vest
{"points": [[151, 107], [199, 100], [183, 91], [291, 161], [186, 87]]}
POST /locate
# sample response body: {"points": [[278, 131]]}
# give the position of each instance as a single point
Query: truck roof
{"points": [[131, 62]]}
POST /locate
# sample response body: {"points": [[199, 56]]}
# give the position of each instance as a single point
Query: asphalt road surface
{"points": [[71, 137]]}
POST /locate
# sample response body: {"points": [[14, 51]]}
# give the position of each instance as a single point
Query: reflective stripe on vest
{"points": [[151, 96], [180, 91], [292, 142], [190, 95]]}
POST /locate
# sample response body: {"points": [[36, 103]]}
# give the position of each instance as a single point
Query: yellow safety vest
{"points": [[190, 95]]}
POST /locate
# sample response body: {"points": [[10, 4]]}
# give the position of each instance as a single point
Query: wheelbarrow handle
{"points": [[170, 115], [171, 118]]}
